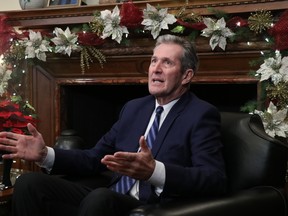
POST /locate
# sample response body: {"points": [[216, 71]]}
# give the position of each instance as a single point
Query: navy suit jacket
{"points": [[188, 143]]}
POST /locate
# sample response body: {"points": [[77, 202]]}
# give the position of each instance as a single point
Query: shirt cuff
{"points": [[158, 177], [49, 160]]}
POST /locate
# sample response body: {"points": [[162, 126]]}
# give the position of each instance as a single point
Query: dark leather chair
{"points": [[256, 169]]}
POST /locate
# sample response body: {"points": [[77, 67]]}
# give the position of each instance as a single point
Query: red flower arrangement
{"points": [[6, 33], [131, 16], [280, 32], [13, 119]]}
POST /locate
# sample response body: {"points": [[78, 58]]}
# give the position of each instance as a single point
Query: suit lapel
{"points": [[142, 122], [172, 115]]}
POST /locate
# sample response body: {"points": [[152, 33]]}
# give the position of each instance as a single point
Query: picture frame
{"points": [[63, 3]]}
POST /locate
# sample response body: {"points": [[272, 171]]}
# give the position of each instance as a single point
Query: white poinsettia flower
{"points": [[112, 27], [156, 20], [284, 68], [217, 31], [36, 46], [5, 75], [274, 68], [65, 41], [274, 121]]}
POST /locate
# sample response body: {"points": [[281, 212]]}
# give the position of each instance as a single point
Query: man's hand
{"points": [[27, 147], [138, 165]]}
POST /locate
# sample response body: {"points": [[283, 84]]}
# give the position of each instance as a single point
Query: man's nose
{"points": [[157, 67]]}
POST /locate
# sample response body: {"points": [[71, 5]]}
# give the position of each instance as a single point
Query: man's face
{"points": [[165, 79]]}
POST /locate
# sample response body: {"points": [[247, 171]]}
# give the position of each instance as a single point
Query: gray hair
{"points": [[189, 59]]}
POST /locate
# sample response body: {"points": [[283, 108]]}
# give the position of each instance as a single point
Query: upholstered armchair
{"points": [[256, 168]]}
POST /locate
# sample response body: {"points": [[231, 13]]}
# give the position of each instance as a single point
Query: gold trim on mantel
{"points": [[83, 14]]}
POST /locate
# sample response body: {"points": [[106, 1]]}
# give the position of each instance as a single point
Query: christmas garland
{"points": [[18, 47]]}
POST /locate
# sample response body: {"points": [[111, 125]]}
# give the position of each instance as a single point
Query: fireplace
{"points": [[92, 109]]}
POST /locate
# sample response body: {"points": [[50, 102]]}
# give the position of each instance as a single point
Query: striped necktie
{"points": [[125, 183]]}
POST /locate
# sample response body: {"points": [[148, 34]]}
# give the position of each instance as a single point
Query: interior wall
{"points": [[8, 5]]}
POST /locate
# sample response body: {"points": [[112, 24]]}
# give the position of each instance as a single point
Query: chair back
{"points": [[252, 157]]}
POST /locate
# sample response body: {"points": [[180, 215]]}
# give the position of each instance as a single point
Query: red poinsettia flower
{"points": [[6, 114], [235, 22], [89, 39], [131, 16], [280, 32], [7, 34], [198, 25], [17, 130], [13, 119]]}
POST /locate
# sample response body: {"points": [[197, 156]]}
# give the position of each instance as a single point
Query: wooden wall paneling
{"points": [[44, 101]]}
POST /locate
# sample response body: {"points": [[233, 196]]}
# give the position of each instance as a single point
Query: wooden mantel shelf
{"points": [[83, 14]]}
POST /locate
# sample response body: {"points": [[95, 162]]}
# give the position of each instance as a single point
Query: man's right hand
{"points": [[27, 147]]}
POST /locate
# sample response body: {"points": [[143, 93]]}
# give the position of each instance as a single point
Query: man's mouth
{"points": [[157, 81]]}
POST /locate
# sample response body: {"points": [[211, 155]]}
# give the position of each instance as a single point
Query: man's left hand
{"points": [[138, 165]]}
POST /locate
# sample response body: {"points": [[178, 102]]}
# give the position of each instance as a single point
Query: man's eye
{"points": [[167, 62]]}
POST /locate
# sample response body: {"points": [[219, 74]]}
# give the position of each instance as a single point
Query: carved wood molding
{"points": [[83, 14]]}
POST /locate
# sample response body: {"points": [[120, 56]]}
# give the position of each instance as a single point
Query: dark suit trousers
{"points": [[45, 195]]}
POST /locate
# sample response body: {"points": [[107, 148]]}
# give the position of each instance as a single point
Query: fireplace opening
{"points": [[92, 109]]}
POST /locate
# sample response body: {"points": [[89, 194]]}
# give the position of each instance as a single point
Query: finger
{"points": [[10, 137], [125, 156], [143, 144], [118, 163], [32, 130], [107, 158], [8, 141], [9, 156], [3, 134], [112, 165], [7, 148], [112, 161]]}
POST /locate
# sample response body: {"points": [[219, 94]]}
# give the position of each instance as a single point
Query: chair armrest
{"points": [[264, 200]]}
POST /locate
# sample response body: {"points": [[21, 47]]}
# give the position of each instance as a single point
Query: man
{"points": [[185, 159]]}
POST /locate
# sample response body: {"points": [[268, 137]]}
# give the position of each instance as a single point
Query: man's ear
{"points": [[187, 76]]}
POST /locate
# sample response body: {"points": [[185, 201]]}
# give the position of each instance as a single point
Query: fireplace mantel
{"points": [[128, 64], [73, 15]]}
